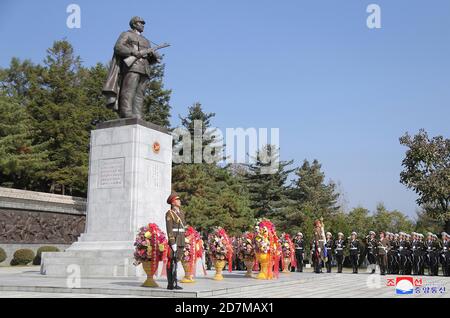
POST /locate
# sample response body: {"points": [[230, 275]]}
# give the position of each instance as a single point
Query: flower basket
{"points": [[287, 252], [267, 248], [193, 250], [246, 252], [151, 247], [220, 250]]}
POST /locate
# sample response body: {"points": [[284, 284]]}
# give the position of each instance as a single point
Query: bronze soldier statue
{"points": [[130, 71], [175, 225]]}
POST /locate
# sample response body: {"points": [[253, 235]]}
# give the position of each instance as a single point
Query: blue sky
{"points": [[338, 91]]}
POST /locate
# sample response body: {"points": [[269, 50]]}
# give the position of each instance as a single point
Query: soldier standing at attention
{"points": [[175, 225], [438, 249], [402, 246], [354, 247], [299, 251], [445, 253], [389, 237], [431, 254], [423, 251], [383, 245], [329, 246], [416, 251], [371, 250], [339, 246]]}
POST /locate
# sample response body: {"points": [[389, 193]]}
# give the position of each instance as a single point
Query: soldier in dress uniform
{"points": [[432, 255], [416, 253], [423, 253], [403, 247], [176, 226], [371, 245], [445, 254], [299, 245], [382, 250], [438, 251], [389, 237], [339, 246], [355, 248], [329, 246], [395, 246]]}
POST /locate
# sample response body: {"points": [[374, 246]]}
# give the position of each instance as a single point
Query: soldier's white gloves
{"points": [[174, 247]]}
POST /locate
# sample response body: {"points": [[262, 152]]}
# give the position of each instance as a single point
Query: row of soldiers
{"points": [[395, 253]]}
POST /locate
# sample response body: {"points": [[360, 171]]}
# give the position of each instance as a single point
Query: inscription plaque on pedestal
{"points": [[111, 173]]}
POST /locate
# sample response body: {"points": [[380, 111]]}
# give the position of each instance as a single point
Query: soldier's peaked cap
{"points": [[300, 233], [371, 233], [444, 234], [328, 233], [354, 233], [341, 234], [172, 197]]}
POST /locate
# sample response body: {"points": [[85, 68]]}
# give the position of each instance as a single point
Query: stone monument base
{"points": [[130, 171]]}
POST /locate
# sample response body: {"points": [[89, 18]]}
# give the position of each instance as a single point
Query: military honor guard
{"points": [[416, 248], [355, 248], [432, 255], [329, 247], [445, 254], [382, 251], [339, 246], [176, 226], [299, 245], [318, 247], [371, 245]]}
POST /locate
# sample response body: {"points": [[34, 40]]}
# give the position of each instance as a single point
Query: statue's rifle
{"points": [[129, 61]]}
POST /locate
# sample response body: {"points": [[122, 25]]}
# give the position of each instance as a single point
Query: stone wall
{"points": [[28, 217]]}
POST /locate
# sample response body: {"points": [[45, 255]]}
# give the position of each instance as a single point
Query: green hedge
{"points": [[22, 257], [2, 255], [37, 259]]}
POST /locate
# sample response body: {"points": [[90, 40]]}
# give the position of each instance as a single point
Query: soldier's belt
{"points": [[339, 249], [299, 248], [353, 248], [178, 230]]}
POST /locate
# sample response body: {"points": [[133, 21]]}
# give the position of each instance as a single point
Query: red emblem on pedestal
{"points": [[156, 147]]}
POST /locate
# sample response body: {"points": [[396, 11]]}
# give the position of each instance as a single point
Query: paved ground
{"points": [[16, 282]]}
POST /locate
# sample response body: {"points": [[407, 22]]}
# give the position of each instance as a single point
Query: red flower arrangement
{"points": [[220, 247], [287, 249], [151, 246], [266, 242], [193, 248], [246, 248]]}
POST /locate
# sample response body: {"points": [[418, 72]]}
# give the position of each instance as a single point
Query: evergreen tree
{"points": [[311, 192], [201, 134], [21, 163], [156, 102], [266, 183], [61, 113]]}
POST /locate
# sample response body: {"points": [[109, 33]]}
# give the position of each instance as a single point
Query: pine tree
{"points": [[310, 191], [266, 183], [21, 162], [198, 124], [156, 102], [61, 113]]}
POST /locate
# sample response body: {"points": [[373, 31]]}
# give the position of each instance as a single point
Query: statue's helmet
{"points": [[135, 20]]}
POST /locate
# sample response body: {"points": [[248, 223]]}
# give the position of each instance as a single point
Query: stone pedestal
{"points": [[130, 171]]}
